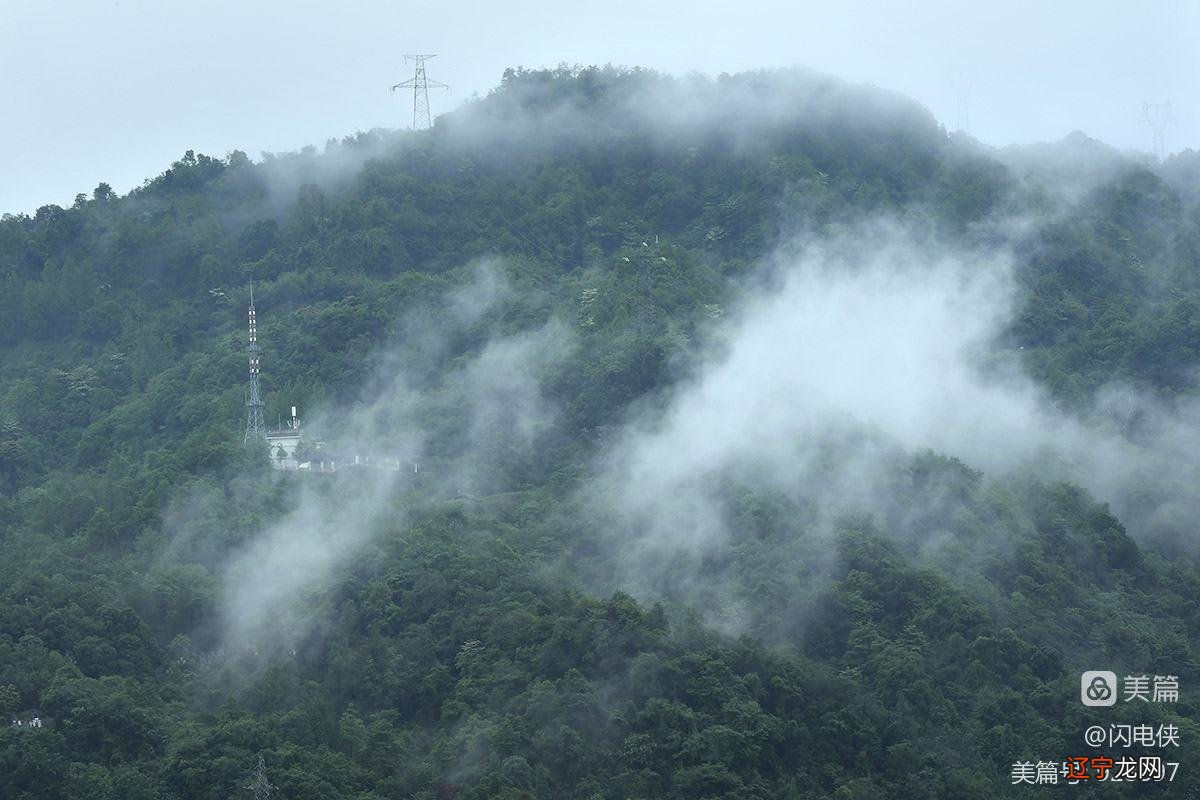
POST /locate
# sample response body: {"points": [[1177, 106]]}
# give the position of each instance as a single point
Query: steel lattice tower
{"points": [[256, 428], [259, 784], [1158, 117], [962, 80], [420, 83]]}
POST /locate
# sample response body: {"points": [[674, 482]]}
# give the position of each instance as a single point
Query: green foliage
{"points": [[916, 653]]}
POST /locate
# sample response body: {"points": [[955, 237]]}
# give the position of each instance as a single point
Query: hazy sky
{"points": [[114, 90]]}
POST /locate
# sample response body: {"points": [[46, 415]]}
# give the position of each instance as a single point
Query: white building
{"points": [[282, 444]]}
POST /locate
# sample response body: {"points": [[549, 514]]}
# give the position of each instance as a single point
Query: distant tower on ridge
{"points": [[962, 80], [420, 85], [256, 429], [1158, 117]]}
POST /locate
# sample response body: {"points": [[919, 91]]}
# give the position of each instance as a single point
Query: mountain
{"points": [[759, 439]]}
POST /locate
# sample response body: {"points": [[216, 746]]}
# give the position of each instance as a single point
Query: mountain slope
{"points": [[501, 300]]}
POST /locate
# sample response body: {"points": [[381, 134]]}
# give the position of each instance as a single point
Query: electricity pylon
{"points": [[1158, 117], [962, 80], [262, 788], [420, 83]]}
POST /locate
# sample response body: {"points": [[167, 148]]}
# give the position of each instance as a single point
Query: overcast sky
{"points": [[114, 90]]}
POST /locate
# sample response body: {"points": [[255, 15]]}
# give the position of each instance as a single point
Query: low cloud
{"points": [[454, 411], [878, 342]]}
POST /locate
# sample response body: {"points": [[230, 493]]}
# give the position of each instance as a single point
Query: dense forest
{"points": [[501, 302]]}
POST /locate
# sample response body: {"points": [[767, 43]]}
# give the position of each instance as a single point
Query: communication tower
{"points": [[256, 429]]}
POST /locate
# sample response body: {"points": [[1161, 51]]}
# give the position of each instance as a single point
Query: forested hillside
{"points": [[518, 303]]}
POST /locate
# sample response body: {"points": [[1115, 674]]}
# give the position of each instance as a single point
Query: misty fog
{"points": [[851, 345], [851, 350]]}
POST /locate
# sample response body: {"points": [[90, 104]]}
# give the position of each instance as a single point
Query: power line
{"points": [[420, 83]]}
